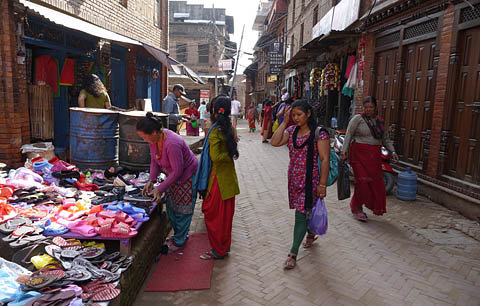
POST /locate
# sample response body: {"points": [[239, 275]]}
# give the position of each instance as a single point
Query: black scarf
{"points": [[309, 175]]}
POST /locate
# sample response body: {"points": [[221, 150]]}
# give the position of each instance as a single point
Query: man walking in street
{"points": [[236, 108], [170, 107]]}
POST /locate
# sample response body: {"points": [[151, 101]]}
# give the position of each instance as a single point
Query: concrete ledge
{"points": [[465, 205], [146, 247]]}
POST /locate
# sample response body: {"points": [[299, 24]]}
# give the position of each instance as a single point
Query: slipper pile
{"points": [[68, 265], [49, 199]]}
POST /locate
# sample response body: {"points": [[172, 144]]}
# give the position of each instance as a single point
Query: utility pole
{"points": [[215, 48], [236, 63]]}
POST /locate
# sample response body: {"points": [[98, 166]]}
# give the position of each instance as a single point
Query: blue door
{"points": [[119, 77]]}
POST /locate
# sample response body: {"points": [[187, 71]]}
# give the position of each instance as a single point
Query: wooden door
{"points": [[386, 84], [464, 146], [416, 102]]}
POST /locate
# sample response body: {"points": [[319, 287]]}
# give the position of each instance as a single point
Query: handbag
{"points": [[343, 181], [319, 218], [194, 123], [333, 169]]}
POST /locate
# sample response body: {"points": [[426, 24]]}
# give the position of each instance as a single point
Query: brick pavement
{"points": [[382, 262]]}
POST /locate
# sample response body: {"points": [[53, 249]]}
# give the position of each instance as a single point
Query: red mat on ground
{"points": [[175, 272]]}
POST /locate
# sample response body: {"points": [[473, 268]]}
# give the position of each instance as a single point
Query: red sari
{"points": [[191, 131], [267, 123], [365, 160]]}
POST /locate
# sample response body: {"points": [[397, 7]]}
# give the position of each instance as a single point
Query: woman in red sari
{"points": [[193, 123], [267, 121], [365, 136], [252, 117]]}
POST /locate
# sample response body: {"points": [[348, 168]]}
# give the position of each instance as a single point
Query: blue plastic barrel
{"points": [[94, 137], [407, 185]]}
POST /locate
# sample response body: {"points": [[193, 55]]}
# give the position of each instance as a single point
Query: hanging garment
{"points": [[352, 59], [46, 71], [351, 84], [67, 77]]}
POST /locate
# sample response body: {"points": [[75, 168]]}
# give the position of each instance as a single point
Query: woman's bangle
{"points": [[324, 186]]}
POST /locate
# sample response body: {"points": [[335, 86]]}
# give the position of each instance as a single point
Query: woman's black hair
{"points": [[94, 86], [370, 99], [220, 113], [149, 124], [305, 107], [289, 101]]}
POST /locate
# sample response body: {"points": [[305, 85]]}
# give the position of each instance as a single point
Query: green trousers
{"points": [[299, 231]]}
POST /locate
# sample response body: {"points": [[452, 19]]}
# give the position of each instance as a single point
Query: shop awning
{"points": [[318, 46], [94, 30], [77, 24]]}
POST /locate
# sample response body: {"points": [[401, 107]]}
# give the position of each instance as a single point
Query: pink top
{"points": [[177, 161]]}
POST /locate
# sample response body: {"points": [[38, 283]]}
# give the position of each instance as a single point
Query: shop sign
{"points": [[275, 56], [225, 65], [272, 78], [204, 96]]}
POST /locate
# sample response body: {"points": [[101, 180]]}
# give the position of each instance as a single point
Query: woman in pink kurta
{"points": [[305, 182]]}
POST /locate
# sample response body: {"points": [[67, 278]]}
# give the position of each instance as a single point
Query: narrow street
{"points": [[386, 261]]}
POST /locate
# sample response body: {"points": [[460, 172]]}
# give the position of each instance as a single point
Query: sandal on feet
{"points": [[211, 255], [360, 216], [309, 241], [172, 247], [290, 262]]}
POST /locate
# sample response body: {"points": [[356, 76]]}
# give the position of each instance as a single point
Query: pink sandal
{"points": [[290, 262], [360, 216]]}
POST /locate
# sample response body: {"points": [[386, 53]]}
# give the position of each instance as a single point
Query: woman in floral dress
{"points": [[305, 183]]}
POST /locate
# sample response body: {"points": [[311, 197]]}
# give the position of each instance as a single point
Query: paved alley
{"points": [[407, 257]]}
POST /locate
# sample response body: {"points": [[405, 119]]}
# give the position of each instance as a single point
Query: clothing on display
{"points": [[46, 71], [67, 77]]}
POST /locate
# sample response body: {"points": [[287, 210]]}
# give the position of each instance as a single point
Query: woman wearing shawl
{"points": [[305, 183], [252, 116], [217, 180], [365, 136]]}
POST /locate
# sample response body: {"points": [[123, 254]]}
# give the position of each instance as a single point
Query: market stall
{"points": [[63, 224]]}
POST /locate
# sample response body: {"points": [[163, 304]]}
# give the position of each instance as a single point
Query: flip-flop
{"points": [[211, 256], [24, 241], [70, 254], [20, 231], [92, 253], [78, 274], [9, 226], [39, 281], [105, 295]]}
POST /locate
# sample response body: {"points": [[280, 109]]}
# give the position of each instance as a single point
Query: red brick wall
{"points": [[135, 20], [14, 123], [441, 89]]}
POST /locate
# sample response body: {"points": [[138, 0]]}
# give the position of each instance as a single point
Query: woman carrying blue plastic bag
{"points": [[305, 183]]}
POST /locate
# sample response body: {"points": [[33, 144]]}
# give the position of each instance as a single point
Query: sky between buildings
{"points": [[243, 12]]}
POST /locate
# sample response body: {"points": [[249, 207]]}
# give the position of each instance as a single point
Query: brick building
{"points": [[420, 60], [424, 72], [123, 42], [270, 21], [197, 42]]}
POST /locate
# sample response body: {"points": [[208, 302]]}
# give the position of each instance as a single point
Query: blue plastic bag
{"points": [[319, 219]]}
